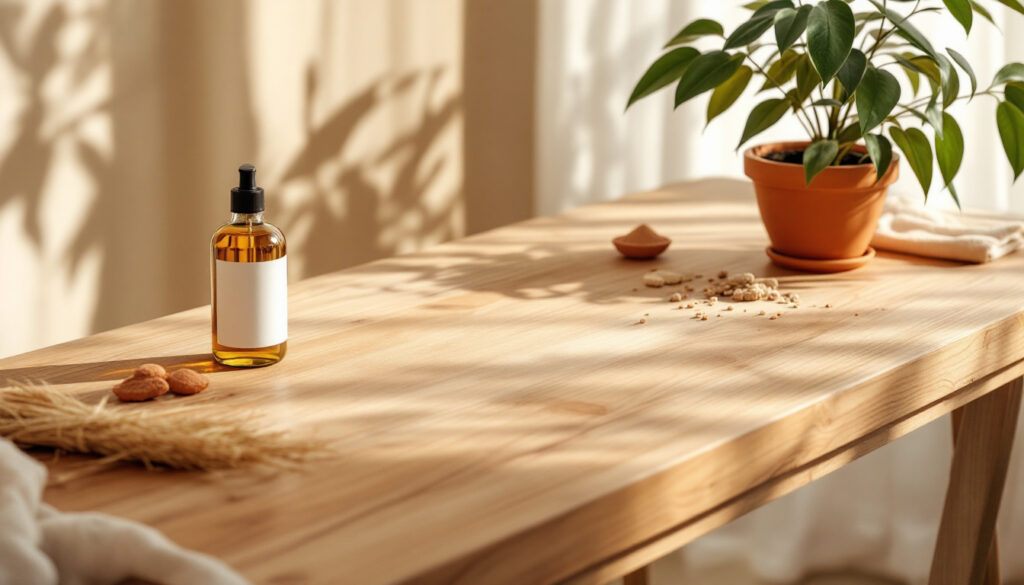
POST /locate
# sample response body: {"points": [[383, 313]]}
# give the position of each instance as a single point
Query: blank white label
{"points": [[252, 303]]}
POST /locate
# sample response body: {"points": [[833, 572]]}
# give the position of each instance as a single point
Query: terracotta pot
{"points": [[832, 218]]}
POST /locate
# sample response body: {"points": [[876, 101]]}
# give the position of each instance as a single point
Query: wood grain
{"points": [[500, 417], [980, 460]]}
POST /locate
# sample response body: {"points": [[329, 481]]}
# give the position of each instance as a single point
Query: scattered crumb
{"points": [[642, 320], [729, 308], [654, 280], [698, 276], [763, 313], [675, 298], [723, 273], [856, 314], [828, 306], [671, 277], [773, 317], [703, 317]]}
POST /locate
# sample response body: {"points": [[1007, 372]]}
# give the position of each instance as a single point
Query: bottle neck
{"points": [[246, 218]]}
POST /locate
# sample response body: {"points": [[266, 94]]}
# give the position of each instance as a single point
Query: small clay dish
{"points": [[642, 243]]}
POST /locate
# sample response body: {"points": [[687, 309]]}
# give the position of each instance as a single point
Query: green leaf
{"points": [[866, 16], [728, 92], [770, 8], [849, 134], [789, 25], [933, 114], [806, 78], [950, 80], [920, 63], [781, 70], [1014, 4], [966, 66], [852, 71], [750, 30], [905, 29], [817, 157], [702, 27], [961, 10], [880, 150], [762, 117], [983, 12], [826, 103], [878, 94], [667, 69], [914, 78], [706, 72], [1010, 120], [1009, 72], [949, 150], [830, 34], [918, 151], [752, 6], [1014, 93]]}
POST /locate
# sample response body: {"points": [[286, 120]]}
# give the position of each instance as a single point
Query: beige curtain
{"points": [[122, 123]]}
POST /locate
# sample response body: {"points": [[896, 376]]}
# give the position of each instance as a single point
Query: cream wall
{"points": [[122, 123]]}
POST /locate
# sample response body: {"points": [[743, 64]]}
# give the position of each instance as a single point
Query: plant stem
{"points": [[799, 107], [923, 100], [843, 152], [882, 36]]}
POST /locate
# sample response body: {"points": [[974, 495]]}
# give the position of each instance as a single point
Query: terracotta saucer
{"points": [[822, 266]]}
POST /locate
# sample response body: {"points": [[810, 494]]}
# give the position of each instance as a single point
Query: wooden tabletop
{"points": [[501, 417]]}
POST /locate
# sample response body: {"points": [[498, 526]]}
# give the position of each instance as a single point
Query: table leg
{"points": [[637, 577], [992, 576], [983, 438]]}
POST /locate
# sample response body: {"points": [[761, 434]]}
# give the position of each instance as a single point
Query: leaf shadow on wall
{"points": [[153, 188], [24, 170], [366, 202]]}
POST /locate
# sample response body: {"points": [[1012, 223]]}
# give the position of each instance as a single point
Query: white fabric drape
{"points": [[880, 514], [42, 546]]}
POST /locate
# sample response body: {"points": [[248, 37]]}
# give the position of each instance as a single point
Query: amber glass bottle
{"points": [[249, 282]]}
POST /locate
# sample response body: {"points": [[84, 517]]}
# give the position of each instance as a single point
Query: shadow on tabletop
{"points": [[108, 370]]}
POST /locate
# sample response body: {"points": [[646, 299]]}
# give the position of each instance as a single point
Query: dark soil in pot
{"points": [[797, 157]]}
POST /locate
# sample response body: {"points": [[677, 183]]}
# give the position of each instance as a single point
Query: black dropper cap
{"points": [[247, 197]]}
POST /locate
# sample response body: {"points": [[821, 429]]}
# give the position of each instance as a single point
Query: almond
{"points": [[150, 371], [139, 389], [187, 381]]}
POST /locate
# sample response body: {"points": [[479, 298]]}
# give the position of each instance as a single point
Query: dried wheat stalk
{"points": [[187, 437]]}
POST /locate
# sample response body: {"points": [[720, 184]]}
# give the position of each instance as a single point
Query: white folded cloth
{"points": [[41, 546], [907, 226]]}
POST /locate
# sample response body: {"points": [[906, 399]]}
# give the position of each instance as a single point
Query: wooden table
{"points": [[501, 417]]}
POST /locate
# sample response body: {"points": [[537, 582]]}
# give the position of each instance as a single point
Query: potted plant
{"points": [[834, 69]]}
